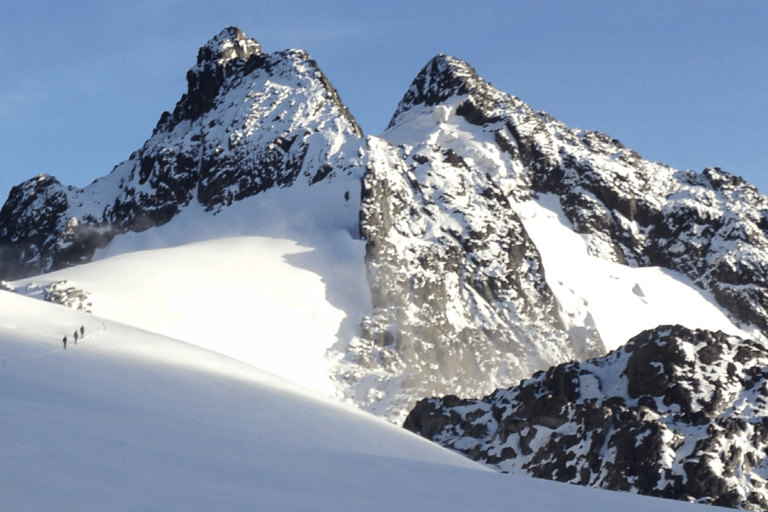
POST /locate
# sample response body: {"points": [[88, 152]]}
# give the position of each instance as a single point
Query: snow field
{"points": [[277, 293], [130, 420]]}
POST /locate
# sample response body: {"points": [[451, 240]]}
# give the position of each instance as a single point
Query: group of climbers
{"points": [[79, 333]]}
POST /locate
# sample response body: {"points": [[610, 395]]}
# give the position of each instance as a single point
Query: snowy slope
{"points": [[277, 294], [129, 420], [238, 296]]}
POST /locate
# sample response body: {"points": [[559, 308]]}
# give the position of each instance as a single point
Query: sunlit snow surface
{"points": [[238, 296], [130, 420], [273, 281]]}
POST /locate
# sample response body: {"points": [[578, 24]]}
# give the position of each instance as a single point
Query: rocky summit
{"points": [[463, 301]]}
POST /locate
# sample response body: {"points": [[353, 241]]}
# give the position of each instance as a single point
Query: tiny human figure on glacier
{"points": [[65, 342], [82, 331], [76, 335]]}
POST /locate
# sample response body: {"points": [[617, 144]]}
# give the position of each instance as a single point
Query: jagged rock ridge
{"points": [[710, 226], [248, 122], [675, 413]]}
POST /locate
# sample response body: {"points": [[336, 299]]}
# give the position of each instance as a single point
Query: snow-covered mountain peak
{"points": [[228, 60], [471, 244], [248, 122], [217, 60]]}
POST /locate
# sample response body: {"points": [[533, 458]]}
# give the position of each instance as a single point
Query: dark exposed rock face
{"points": [[675, 413], [248, 122], [22, 233]]}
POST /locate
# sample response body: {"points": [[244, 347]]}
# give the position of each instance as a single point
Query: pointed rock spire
{"points": [[218, 59], [231, 43]]}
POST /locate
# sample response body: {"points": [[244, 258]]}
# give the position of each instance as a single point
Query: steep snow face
{"points": [[595, 291], [249, 122], [710, 226], [675, 413]]}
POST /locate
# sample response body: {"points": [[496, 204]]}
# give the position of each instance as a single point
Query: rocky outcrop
{"points": [[676, 413], [459, 294], [60, 292], [30, 220], [248, 122]]}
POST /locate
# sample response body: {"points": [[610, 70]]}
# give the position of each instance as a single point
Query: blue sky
{"points": [[682, 82]]}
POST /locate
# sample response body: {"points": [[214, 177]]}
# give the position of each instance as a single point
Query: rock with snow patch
{"points": [[60, 292], [675, 413], [458, 288], [710, 226]]}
